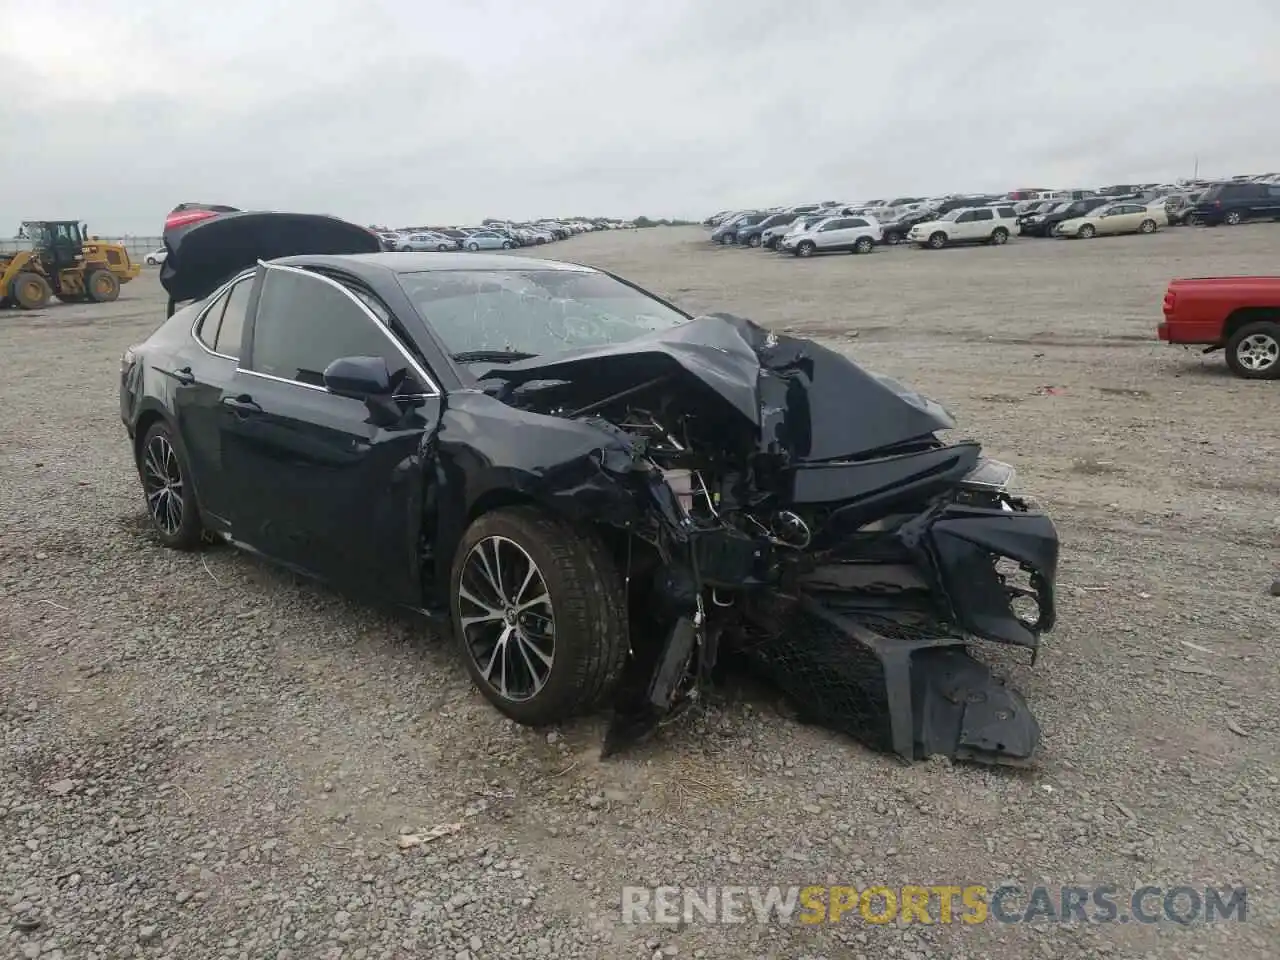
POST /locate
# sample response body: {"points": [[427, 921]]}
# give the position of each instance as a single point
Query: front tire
{"points": [[1086, 232], [473, 247], [754, 240], [539, 613], [167, 491], [1253, 351], [506, 244], [806, 249], [938, 240], [30, 290]]}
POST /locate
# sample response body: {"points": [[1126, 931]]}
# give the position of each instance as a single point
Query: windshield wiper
{"points": [[492, 356]]}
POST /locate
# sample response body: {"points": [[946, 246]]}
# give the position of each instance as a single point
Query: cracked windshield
{"points": [[484, 315]]}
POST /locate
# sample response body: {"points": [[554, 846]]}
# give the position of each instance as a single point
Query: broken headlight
{"points": [[990, 476]]}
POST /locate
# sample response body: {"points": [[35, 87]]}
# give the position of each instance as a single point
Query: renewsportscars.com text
{"points": [[933, 904]]}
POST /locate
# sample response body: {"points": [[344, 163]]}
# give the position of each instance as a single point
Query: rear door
{"points": [[326, 483], [218, 334]]}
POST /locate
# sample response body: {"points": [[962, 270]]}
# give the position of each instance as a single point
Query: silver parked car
{"points": [[487, 240], [427, 241]]}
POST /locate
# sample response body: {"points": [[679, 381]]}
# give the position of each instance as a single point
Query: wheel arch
{"points": [[148, 417], [1246, 315]]}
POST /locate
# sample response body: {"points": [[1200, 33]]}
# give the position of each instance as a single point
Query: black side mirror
{"points": [[358, 377]]}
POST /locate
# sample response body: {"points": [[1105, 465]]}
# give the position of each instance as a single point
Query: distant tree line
{"points": [[646, 222]]}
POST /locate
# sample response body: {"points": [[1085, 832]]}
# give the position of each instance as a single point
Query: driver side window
{"points": [[304, 322]]}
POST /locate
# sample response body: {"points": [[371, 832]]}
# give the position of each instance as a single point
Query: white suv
{"points": [[966, 225], [855, 234]]}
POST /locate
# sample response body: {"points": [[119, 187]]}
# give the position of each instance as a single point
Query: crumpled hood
{"points": [[801, 397]]}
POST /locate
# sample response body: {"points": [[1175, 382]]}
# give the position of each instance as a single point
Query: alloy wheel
{"points": [[162, 482], [506, 617], [1258, 352]]}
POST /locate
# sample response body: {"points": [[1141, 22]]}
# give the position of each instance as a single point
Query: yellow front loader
{"points": [[65, 263]]}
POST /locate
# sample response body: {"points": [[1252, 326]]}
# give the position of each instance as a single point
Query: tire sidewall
{"points": [[581, 621], [189, 534], [1270, 328]]}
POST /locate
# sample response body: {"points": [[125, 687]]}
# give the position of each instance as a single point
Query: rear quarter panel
{"points": [[1197, 309]]}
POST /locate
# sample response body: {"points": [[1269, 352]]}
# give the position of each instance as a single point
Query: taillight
{"points": [[1217, 203]]}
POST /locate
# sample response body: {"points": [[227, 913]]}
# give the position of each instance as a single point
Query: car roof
{"points": [[401, 263]]}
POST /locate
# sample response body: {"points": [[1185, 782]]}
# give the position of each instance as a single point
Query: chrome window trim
{"points": [[195, 325], [424, 377]]}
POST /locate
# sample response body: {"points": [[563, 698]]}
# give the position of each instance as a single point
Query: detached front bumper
{"points": [[894, 670]]}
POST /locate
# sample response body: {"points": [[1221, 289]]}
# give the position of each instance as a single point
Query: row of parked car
{"points": [[934, 223], [495, 235]]}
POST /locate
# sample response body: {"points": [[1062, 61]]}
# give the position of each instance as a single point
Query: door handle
{"points": [[183, 376], [242, 406]]}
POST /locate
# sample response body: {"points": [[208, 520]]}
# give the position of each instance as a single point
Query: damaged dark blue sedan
{"points": [[608, 499]]}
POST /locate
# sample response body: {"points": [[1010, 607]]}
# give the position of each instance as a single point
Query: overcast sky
{"points": [[438, 111]]}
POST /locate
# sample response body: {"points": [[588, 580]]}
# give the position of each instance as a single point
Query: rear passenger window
{"points": [[857, 223], [226, 314], [982, 215], [228, 343]]}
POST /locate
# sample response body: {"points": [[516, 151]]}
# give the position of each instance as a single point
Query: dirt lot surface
{"points": [[206, 757]]}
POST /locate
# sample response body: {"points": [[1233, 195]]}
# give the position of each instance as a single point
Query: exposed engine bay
{"points": [[801, 513]]}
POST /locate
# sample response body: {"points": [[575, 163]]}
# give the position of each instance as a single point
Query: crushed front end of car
{"points": [[802, 515]]}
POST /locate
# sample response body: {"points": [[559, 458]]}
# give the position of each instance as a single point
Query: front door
{"points": [[329, 484]]}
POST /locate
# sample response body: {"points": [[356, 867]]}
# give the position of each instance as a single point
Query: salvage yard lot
{"points": [[206, 756]]}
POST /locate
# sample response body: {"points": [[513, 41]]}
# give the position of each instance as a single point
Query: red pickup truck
{"points": [[1238, 314]]}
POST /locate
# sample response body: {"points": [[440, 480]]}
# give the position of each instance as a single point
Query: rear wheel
{"points": [[1232, 218], [102, 286], [1148, 226], [999, 236], [167, 489], [30, 290], [539, 612], [863, 245], [893, 239], [1253, 351], [754, 240]]}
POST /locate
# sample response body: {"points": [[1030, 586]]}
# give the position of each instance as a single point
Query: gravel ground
{"points": [[204, 756]]}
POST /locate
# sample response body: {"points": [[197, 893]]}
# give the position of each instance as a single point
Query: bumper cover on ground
{"points": [[906, 689]]}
